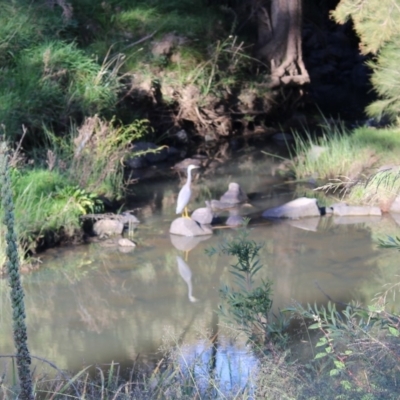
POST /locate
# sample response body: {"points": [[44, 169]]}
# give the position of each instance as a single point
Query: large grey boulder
{"points": [[295, 209], [343, 210], [188, 227], [108, 227], [234, 195]]}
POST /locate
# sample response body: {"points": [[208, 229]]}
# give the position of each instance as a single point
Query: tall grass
{"points": [[52, 83], [340, 159], [336, 154], [381, 189], [39, 208]]}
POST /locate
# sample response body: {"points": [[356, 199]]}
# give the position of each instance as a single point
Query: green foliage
{"points": [[386, 81], [86, 202], [138, 17], [48, 202], [249, 306], [377, 24], [341, 161], [334, 155], [53, 82], [22, 25], [354, 348], [96, 151], [380, 188]]}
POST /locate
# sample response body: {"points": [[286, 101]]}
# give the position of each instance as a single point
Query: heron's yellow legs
{"points": [[185, 213]]}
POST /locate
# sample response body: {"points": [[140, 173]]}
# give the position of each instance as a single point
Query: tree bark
{"points": [[279, 40]]}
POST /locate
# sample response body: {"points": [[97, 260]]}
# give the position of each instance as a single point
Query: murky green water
{"points": [[94, 304]]}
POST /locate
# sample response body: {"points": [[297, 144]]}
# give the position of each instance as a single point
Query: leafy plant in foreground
{"points": [[250, 305], [356, 349], [17, 292]]}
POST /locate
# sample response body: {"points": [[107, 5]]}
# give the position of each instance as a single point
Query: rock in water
{"points": [[188, 227], [204, 215], [234, 195], [108, 227], [299, 208]]}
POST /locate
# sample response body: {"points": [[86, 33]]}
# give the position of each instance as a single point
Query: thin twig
{"points": [[143, 39]]}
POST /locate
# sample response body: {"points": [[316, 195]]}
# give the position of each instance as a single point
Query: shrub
{"points": [[249, 306], [377, 25], [54, 82]]}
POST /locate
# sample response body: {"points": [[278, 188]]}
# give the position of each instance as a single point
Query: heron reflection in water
{"points": [[185, 193], [186, 273]]}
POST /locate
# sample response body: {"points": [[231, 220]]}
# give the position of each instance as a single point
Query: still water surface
{"points": [[93, 304]]}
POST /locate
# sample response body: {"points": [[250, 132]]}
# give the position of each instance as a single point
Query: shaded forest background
{"points": [[215, 69]]}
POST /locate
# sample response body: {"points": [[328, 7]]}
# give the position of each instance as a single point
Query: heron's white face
{"points": [[191, 166]]}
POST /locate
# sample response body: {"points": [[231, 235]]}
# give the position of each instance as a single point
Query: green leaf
{"points": [[320, 355], [334, 372], [314, 326], [393, 331], [339, 364], [321, 342]]}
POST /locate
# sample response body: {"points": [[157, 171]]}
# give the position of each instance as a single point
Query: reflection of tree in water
{"points": [[98, 305]]}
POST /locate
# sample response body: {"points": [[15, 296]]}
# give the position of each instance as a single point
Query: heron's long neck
{"points": [[189, 179]]}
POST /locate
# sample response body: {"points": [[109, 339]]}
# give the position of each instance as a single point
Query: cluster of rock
{"points": [[201, 220], [308, 209], [111, 226]]}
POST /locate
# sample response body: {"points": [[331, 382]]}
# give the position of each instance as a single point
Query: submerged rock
{"points": [[295, 209], [108, 227], [127, 218], [234, 219], [188, 227], [282, 138], [234, 195], [343, 210], [123, 242], [126, 245], [356, 219]]}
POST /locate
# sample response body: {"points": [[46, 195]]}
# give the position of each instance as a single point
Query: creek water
{"points": [[92, 304]]}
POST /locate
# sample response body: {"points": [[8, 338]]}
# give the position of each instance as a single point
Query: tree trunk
{"points": [[279, 40]]}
